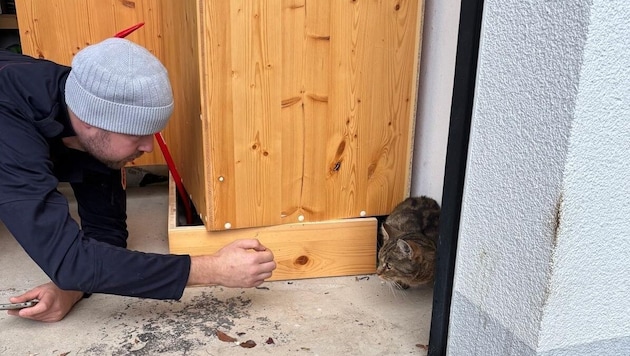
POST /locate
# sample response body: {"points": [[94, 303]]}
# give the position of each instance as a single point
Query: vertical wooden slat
{"points": [[392, 92], [216, 75], [392, 141], [179, 52], [341, 148], [37, 18], [257, 120], [317, 82], [292, 109]]}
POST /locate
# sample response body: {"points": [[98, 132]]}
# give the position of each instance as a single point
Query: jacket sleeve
{"points": [[37, 215]]}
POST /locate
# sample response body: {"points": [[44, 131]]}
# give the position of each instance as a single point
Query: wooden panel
{"points": [[308, 108], [57, 30], [180, 56], [309, 250]]}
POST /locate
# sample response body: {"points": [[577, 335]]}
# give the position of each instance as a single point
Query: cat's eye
{"points": [[387, 266]]}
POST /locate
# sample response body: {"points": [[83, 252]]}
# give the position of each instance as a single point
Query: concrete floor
{"points": [[353, 315]]}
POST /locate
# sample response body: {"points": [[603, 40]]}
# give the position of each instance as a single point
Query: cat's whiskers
{"points": [[396, 289]]}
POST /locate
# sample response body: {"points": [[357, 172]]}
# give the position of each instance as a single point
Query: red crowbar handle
{"points": [[126, 32], [165, 152], [176, 176]]}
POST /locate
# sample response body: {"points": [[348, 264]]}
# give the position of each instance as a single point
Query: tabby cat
{"points": [[410, 233]]}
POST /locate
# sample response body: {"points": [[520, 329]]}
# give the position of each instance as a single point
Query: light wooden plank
{"points": [[218, 188], [257, 121], [292, 111], [392, 94], [310, 250], [179, 51], [317, 83]]}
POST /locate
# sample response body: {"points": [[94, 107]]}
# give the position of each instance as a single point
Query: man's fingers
{"points": [[252, 244], [247, 244], [264, 258], [30, 295], [28, 313], [32, 312], [260, 248], [268, 266], [13, 312]]}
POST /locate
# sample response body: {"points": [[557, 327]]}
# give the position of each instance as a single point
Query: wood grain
{"points": [[308, 108], [309, 250]]}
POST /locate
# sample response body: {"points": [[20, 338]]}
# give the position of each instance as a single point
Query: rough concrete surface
{"points": [[353, 315]]}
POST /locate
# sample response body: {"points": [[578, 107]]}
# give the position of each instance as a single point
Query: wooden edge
{"points": [[413, 113], [304, 250]]}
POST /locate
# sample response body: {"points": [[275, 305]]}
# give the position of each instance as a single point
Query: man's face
{"points": [[114, 149]]}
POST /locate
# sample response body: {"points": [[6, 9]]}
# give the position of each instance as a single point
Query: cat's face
{"points": [[406, 262]]}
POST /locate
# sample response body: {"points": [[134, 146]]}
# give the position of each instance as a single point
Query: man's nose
{"points": [[146, 144]]}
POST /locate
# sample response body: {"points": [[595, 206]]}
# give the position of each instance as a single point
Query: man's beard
{"points": [[99, 145]]}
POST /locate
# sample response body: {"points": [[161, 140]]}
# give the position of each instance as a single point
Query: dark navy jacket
{"points": [[92, 257]]}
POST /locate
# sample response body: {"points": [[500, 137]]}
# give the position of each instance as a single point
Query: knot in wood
{"points": [[302, 260]]}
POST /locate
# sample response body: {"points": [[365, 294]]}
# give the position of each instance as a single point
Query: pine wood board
{"points": [[304, 250], [308, 109]]}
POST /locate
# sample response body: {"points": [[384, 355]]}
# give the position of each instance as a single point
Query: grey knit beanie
{"points": [[119, 86]]}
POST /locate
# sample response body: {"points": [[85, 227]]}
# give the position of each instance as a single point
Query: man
{"points": [[82, 125]]}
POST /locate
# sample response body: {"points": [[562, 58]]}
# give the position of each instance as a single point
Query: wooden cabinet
{"points": [[307, 109], [287, 112]]}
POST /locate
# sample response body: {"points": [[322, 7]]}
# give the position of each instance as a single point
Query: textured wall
{"points": [[544, 246], [529, 69], [589, 293]]}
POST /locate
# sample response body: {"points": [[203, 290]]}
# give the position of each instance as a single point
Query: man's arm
{"points": [[243, 263], [37, 215], [102, 206]]}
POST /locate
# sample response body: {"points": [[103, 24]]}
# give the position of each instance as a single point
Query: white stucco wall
{"points": [[435, 89], [589, 291], [544, 246]]}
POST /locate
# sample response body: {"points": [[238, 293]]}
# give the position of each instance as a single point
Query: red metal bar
{"points": [[176, 177], [164, 148], [126, 32]]}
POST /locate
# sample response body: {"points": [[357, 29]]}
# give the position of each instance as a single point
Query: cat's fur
{"points": [[410, 233]]}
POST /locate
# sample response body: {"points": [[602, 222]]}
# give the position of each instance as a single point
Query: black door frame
{"points": [[471, 14]]}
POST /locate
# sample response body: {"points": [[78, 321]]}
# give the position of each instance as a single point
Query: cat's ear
{"points": [[390, 232], [405, 248]]}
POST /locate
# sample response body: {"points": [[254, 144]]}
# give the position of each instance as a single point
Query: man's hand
{"points": [[242, 263], [53, 305]]}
